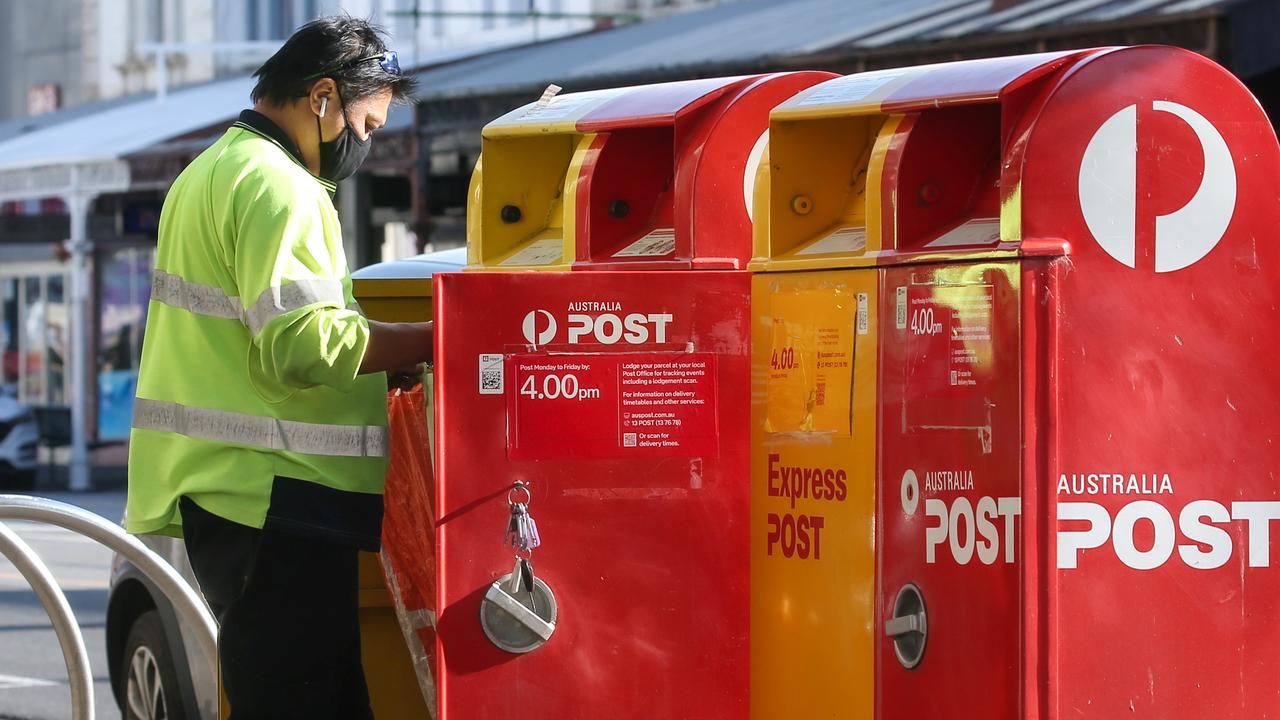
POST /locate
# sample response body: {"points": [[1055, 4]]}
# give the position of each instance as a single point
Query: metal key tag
{"points": [[522, 525], [526, 573], [514, 525], [517, 581], [522, 531], [534, 538]]}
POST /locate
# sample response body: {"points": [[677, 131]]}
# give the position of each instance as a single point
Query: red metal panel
{"points": [[685, 186], [973, 80], [1163, 438], [647, 556], [949, 499], [660, 104]]}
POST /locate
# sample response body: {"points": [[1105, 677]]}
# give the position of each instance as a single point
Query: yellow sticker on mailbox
{"points": [[811, 360]]}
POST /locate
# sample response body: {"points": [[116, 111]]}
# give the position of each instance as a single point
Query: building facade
{"points": [[60, 53], [42, 57]]}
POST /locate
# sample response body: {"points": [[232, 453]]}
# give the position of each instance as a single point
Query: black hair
{"points": [[331, 47]]}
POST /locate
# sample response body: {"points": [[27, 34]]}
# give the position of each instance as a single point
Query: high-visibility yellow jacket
{"points": [[249, 398]]}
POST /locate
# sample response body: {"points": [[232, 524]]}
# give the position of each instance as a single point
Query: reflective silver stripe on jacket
{"points": [[210, 300], [279, 300], [261, 432], [175, 291]]}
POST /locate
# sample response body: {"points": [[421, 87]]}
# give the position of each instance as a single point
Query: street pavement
{"points": [[33, 678]]}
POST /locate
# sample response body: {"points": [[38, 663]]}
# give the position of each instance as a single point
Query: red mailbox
{"points": [[621, 400], [1071, 268], [1078, 257], [1150, 390]]}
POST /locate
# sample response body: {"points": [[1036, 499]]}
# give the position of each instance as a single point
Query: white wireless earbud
{"points": [[324, 105]]}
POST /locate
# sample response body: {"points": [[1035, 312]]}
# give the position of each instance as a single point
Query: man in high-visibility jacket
{"points": [[259, 429]]}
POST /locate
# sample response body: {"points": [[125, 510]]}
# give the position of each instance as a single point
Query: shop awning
{"points": [[83, 152], [763, 33]]}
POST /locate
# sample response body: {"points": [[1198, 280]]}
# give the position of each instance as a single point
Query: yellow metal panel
{"points": [[858, 94], [475, 213], [813, 494], [500, 129], [394, 299], [394, 692], [826, 180], [537, 174], [552, 116]]}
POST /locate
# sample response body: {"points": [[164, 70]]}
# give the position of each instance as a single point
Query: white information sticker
{"points": [[901, 316], [539, 252], [656, 244], [844, 240], [568, 107], [849, 89], [982, 231], [492, 368], [863, 321]]}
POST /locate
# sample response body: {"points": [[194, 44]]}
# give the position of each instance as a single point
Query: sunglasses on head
{"points": [[389, 61]]}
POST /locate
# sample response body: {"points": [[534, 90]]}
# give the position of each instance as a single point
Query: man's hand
{"points": [[405, 378], [396, 347]]}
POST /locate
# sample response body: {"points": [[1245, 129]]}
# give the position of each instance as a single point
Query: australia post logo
{"points": [[602, 322], [1154, 528], [1139, 152]]}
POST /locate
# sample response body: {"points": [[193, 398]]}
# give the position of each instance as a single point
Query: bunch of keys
{"points": [[522, 531], [522, 535]]}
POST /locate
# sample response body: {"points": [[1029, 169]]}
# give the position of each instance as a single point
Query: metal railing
{"points": [[186, 602]]}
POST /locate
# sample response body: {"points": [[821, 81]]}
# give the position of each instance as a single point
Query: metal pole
{"points": [[162, 74], [80, 246], [417, 35], [64, 621], [186, 602]]}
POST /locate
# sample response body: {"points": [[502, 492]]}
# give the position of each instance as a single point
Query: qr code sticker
{"points": [[629, 440], [491, 375]]}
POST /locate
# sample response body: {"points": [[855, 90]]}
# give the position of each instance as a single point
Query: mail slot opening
{"points": [[955, 203], [818, 187], [630, 198], [521, 205]]}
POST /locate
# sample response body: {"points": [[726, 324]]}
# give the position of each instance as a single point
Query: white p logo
{"points": [[1108, 185], [537, 337]]}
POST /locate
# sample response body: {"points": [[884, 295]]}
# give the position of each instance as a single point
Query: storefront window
{"points": [[33, 324], [9, 324], [56, 340], [35, 338], [125, 292]]}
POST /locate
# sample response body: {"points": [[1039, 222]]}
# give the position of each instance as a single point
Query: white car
{"points": [[19, 436]]}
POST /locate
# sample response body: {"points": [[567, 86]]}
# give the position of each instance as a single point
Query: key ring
{"points": [[519, 486]]}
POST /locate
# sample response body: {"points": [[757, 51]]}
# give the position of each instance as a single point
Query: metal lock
{"points": [[519, 622], [909, 626]]}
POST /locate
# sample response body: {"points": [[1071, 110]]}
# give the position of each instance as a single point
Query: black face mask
{"points": [[343, 155]]}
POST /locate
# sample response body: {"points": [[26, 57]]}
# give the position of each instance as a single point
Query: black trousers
{"points": [[289, 635]]}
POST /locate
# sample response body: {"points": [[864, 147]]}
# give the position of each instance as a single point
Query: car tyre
{"points": [[150, 677]]}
